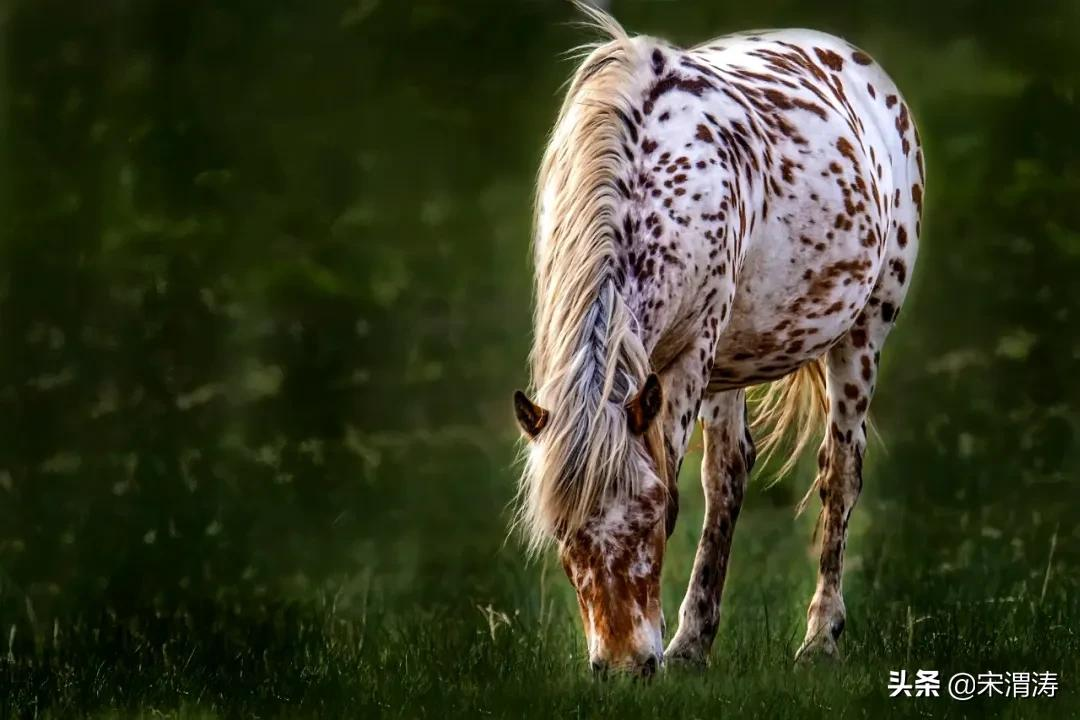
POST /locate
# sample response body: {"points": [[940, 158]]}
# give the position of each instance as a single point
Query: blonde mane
{"points": [[587, 357]]}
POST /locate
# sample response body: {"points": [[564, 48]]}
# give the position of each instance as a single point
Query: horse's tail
{"points": [[788, 413]]}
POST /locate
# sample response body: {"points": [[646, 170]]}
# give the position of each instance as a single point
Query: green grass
{"points": [[259, 343], [216, 661], [499, 638]]}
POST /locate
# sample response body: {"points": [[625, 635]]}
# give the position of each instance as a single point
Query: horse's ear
{"points": [[531, 417], [645, 406]]}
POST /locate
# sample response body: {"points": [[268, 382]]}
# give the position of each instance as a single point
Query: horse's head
{"points": [[614, 558]]}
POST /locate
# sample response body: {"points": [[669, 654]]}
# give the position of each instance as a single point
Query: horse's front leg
{"points": [[728, 458]]}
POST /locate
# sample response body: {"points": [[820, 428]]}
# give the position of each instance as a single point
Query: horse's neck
{"points": [[672, 302], [709, 215], [689, 242]]}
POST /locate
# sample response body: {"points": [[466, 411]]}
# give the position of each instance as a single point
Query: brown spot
{"points": [[903, 121], [858, 337], [830, 59], [861, 58], [846, 149], [673, 81], [837, 433], [810, 107], [704, 134], [778, 99], [900, 269], [851, 391], [901, 236], [867, 369], [786, 166]]}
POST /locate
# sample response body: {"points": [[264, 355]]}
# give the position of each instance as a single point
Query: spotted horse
{"points": [[740, 213]]}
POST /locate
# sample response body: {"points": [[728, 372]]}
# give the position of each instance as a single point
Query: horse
{"points": [[741, 213]]}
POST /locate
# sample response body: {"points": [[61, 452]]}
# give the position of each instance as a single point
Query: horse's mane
{"points": [[587, 357]]}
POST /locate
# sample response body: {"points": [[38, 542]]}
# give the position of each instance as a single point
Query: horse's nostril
{"points": [[650, 666], [599, 667]]}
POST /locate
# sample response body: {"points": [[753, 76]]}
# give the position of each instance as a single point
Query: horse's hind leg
{"points": [[851, 371], [852, 366], [728, 458]]}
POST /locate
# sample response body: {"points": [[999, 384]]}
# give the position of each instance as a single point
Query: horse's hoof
{"points": [[685, 657], [818, 650]]}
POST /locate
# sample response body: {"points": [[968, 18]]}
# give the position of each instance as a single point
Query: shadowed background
{"points": [[265, 292]]}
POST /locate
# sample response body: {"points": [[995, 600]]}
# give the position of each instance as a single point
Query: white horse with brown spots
{"points": [[743, 212]]}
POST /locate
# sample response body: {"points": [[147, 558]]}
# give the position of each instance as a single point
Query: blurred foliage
{"points": [[264, 289]]}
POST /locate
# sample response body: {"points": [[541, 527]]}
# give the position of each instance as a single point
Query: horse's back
{"points": [[841, 210]]}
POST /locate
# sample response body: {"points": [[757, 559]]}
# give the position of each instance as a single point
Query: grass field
{"points": [[469, 630], [264, 297]]}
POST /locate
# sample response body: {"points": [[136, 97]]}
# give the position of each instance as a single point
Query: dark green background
{"points": [[264, 293]]}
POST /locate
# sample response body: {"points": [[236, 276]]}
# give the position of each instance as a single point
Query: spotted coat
{"points": [[768, 210]]}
